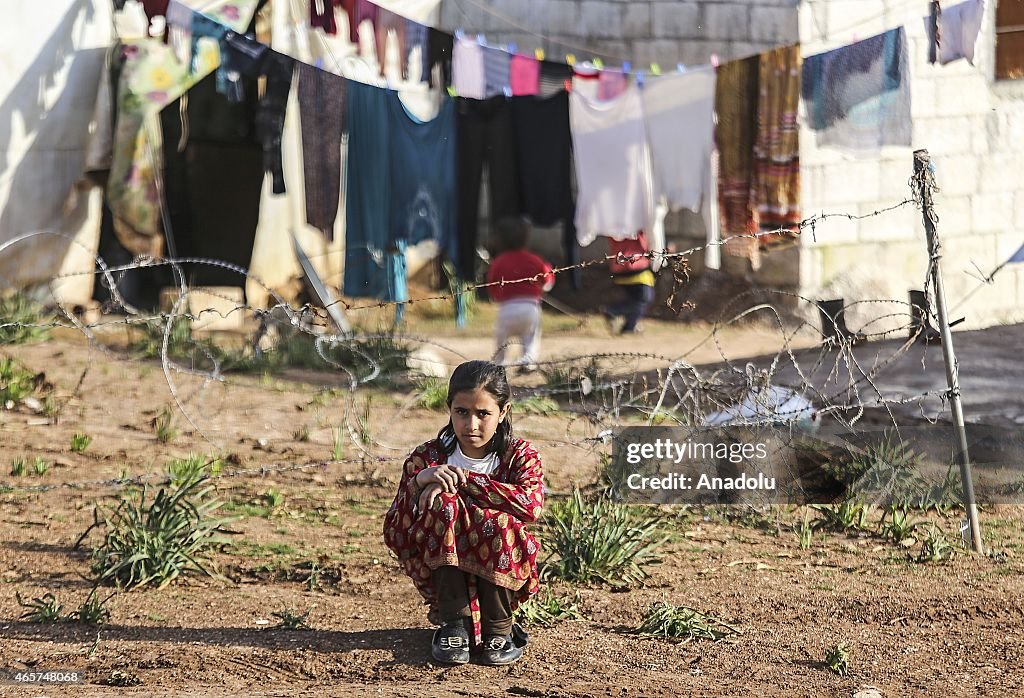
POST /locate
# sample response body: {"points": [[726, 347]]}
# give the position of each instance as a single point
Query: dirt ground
{"points": [[914, 629]]}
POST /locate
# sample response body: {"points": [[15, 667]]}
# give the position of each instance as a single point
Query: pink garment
{"points": [[524, 75], [611, 84]]}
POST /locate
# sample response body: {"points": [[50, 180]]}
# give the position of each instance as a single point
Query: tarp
{"points": [[52, 54]]}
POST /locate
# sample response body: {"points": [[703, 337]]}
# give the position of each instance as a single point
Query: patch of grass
{"points": [[848, 516], [837, 659], [574, 378], [250, 549], [80, 442], [433, 393], [20, 320], [536, 404], [935, 547], [41, 609], [664, 620], [154, 541], [600, 541], [19, 466], [40, 466], [805, 531], [163, 426], [301, 434], [181, 470], [92, 611], [887, 473], [546, 609], [899, 526], [291, 620], [16, 382], [272, 498], [337, 443]]}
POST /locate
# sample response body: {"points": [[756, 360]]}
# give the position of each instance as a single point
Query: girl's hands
{"points": [[428, 495], [444, 475]]}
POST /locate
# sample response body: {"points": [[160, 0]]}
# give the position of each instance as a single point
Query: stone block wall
{"points": [[973, 127], [639, 31]]}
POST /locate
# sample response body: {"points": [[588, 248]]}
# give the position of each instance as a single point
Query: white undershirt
{"points": [[485, 466]]}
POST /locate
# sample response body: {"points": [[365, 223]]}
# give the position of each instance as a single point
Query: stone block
{"points": [[773, 25], [956, 216], [949, 135], [1000, 172], [662, 51], [963, 95], [957, 174], [636, 21], [679, 20], [901, 224], [992, 213], [600, 19], [725, 21], [562, 17]]}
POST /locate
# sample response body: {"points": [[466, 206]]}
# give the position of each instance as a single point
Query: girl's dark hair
{"points": [[474, 375]]}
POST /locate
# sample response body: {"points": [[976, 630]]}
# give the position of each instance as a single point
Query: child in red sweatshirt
{"points": [[519, 302]]}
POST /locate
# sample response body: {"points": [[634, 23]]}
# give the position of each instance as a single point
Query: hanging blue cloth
{"points": [[369, 195], [858, 95], [422, 163]]}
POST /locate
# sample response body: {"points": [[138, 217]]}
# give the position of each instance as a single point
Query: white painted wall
{"points": [[973, 127]]}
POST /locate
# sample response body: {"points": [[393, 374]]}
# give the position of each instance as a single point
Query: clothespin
{"points": [[459, 34], [570, 59], [680, 67], [319, 63], [538, 53], [714, 60], [655, 69], [626, 65], [452, 92], [512, 48], [507, 90], [597, 63], [639, 78], [481, 39]]}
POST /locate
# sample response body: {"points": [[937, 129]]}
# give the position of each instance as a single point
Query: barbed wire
{"points": [[596, 389]]}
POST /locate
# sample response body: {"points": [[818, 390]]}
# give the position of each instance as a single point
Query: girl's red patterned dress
{"points": [[481, 529]]}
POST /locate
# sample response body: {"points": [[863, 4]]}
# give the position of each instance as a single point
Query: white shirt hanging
{"points": [[613, 167]]}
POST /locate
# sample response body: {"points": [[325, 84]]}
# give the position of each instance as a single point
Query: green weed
{"points": [[838, 659], [21, 320], [600, 541], [664, 620], [546, 609], [41, 609], [291, 620], [80, 442], [154, 541]]}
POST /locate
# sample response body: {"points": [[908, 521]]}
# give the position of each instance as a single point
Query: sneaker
{"points": [[451, 643], [500, 650]]}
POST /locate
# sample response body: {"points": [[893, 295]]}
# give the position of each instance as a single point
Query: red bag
{"points": [[623, 250]]}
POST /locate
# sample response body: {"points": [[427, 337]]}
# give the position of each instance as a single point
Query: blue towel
{"points": [[858, 96]]}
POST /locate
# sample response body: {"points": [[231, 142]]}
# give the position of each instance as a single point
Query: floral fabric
{"points": [[482, 529]]}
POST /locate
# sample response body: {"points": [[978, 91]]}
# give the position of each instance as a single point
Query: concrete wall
{"points": [[973, 127], [634, 30]]}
